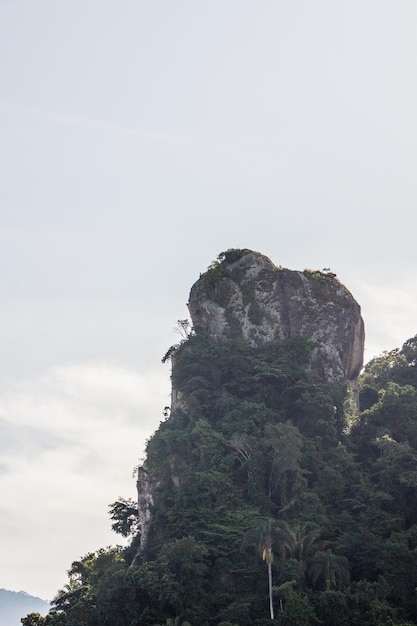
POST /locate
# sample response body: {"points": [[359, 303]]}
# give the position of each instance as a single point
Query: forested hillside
{"points": [[276, 501]]}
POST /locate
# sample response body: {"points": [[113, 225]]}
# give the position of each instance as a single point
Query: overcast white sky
{"points": [[138, 140]]}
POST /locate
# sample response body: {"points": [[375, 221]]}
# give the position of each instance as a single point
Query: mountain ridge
{"points": [[16, 604]]}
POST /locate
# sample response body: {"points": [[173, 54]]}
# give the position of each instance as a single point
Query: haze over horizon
{"points": [[138, 141]]}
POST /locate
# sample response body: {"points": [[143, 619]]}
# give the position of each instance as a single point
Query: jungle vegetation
{"points": [[278, 502]]}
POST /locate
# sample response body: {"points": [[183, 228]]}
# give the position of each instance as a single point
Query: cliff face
{"points": [[146, 485], [247, 296]]}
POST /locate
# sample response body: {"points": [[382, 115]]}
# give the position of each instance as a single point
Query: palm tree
{"points": [[267, 533], [329, 569], [305, 544], [265, 550]]}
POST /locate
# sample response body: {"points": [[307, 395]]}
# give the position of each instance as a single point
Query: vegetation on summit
{"points": [[276, 503]]}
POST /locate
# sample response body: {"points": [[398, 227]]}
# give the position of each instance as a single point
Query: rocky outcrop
{"points": [[245, 295], [146, 485]]}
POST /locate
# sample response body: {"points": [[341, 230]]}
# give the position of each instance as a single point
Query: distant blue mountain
{"points": [[17, 604]]}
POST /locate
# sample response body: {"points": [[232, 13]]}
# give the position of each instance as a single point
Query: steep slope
{"points": [[244, 297]]}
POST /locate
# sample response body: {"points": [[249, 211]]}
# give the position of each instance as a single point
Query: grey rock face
{"points": [[247, 296], [146, 486]]}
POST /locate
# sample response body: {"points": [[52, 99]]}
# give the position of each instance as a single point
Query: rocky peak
{"points": [[244, 295]]}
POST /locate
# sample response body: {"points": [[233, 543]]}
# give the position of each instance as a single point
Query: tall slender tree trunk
{"points": [[271, 604]]}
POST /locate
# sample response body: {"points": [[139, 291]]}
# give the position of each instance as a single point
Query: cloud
{"points": [[31, 441], [58, 118], [70, 439]]}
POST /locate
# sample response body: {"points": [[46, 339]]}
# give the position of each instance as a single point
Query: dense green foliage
{"points": [[274, 499]]}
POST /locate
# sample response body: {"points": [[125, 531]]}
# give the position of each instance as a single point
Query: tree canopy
{"points": [[275, 503]]}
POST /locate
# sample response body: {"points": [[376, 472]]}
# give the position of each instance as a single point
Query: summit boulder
{"points": [[244, 295]]}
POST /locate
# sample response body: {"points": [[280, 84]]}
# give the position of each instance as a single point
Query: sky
{"points": [[138, 140]]}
